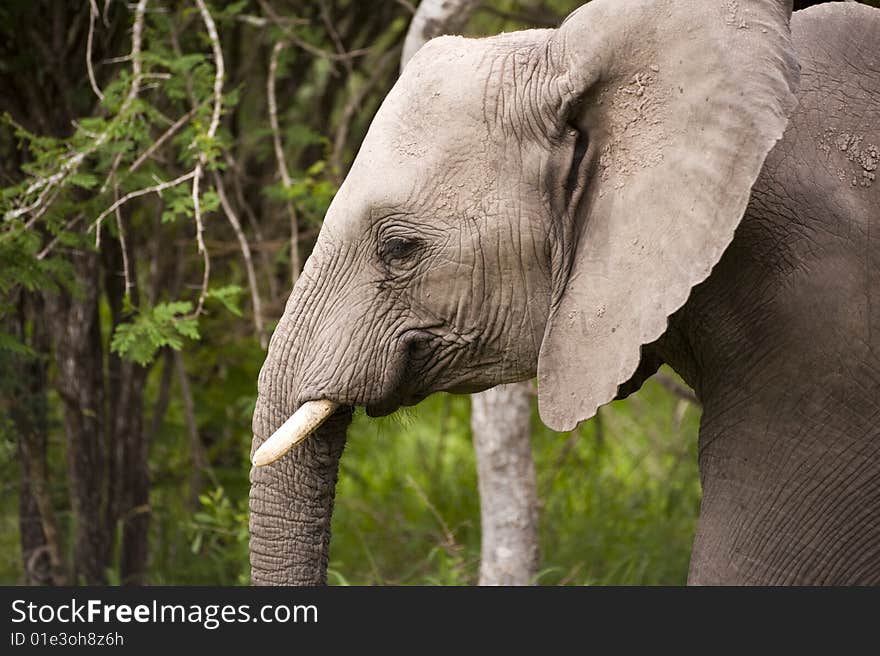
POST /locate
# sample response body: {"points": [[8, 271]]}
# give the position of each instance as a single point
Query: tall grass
{"points": [[619, 496]]}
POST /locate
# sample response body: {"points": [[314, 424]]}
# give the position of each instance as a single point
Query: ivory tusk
{"points": [[298, 427]]}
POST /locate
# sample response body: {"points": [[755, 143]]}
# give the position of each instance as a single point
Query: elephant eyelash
{"points": [[398, 248]]}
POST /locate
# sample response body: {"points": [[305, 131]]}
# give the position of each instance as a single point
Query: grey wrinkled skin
{"points": [[553, 202], [782, 342]]}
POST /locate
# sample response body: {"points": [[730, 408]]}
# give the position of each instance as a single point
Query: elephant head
{"points": [[536, 202]]}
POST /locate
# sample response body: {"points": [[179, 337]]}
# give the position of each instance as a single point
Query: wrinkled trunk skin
{"points": [[501, 425], [291, 507], [291, 500]]}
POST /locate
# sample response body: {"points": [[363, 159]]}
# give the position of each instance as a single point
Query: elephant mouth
{"points": [[405, 385], [391, 405]]}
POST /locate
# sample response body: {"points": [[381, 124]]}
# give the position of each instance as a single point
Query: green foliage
{"points": [[310, 191], [12, 345], [84, 180], [20, 264], [219, 534], [166, 324], [178, 203], [228, 297]]}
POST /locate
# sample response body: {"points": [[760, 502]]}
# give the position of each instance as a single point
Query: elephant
{"points": [[687, 182]]}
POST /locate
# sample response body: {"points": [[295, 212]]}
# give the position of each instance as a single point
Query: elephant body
{"points": [[789, 443], [776, 326]]}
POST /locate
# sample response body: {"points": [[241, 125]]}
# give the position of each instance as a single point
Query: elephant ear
{"points": [[680, 101]]}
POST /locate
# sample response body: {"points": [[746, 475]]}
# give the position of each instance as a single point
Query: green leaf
{"points": [[234, 8], [186, 63], [178, 202], [13, 345], [299, 135], [188, 328], [316, 168], [210, 201], [84, 180], [228, 297], [151, 329]]}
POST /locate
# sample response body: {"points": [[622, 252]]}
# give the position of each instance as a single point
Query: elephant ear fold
{"points": [[681, 101]]}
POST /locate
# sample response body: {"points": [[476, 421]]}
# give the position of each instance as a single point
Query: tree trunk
{"points": [[73, 321], [501, 420], [501, 424], [128, 498], [435, 18], [198, 457], [134, 474], [40, 539]]}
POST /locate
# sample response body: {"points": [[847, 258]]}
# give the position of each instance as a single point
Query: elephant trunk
{"points": [[291, 499], [291, 504]]}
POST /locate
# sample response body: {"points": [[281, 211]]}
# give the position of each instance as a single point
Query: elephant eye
{"points": [[397, 248]]}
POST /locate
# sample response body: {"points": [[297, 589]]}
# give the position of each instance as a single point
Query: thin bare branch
{"points": [[200, 464], [448, 535], [273, 113], [156, 188], [126, 267], [48, 247], [248, 260], [116, 60], [334, 36], [222, 247], [39, 482], [254, 224], [260, 21], [200, 239], [93, 14], [683, 392], [170, 132], [38, 207], [220, 70], [219, 75], [406, 4], [111, 175], [434, 18], [279, 156]]}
